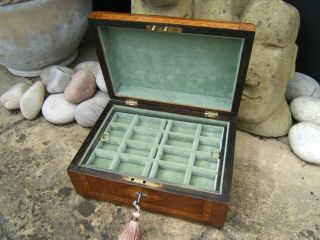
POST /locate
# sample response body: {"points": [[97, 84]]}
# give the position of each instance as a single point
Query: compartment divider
{"points": [[192, 157], [91, 158], [147, 169], [205, 172], [116, 160], [166, 125]]}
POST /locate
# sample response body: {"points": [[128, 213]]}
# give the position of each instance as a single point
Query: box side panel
{"points": [[219, 214], [154, 200]]}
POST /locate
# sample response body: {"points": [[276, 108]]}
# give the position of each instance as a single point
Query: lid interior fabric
{"points": [[177, 68]]}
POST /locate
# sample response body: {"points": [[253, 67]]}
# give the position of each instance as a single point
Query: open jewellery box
{"points": [[168, 131]]}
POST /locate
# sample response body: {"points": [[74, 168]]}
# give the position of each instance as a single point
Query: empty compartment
{"points": [[149, 122], [183, 127], [205, 160], [116, 130], [203, 180], [131, 166], [212, 131], [209, 144], [123, 118], [136, 148], [168, 173], [143, 135], [175, 155], [100, 159], [110, 145], [179, 140]]}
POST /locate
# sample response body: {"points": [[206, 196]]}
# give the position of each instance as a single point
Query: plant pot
{"points": [[39, 33]]}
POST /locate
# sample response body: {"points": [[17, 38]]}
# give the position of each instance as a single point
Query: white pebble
{"points": [[31, 101], [56, 109], [11, 98], [304, 140]]}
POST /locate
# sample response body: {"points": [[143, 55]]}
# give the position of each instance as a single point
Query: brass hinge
{"points": [[155, 28], [131, 102], [211, 114]]}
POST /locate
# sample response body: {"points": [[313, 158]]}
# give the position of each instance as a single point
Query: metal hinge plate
{"points": [[142, 181], [131, 102], [211, 114], [156, 28]]}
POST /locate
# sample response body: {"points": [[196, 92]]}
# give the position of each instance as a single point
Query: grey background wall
{"points": [[308, 60]]}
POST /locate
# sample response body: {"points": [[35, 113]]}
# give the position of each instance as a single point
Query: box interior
{"points": [[185, 69], [178, 149]]}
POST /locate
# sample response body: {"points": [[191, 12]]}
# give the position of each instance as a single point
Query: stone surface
{"points": [[11, 98], [31, 101], [266, 83], [183, 8], [278, 124], [81, 87], [272, 62], [163, 3], [100, 82], [302, 85], [57, 30], [56, 109], [215, 9], [56, 78], [277, 22], [306, 109], [274, 194], [305, 141], [92, 66], [88, 112]]}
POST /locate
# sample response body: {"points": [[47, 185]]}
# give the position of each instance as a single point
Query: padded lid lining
{"points": [[178, 68]]}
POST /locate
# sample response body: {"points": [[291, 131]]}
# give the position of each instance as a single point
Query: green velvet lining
{"points": [[184, 69], [167, 147]]}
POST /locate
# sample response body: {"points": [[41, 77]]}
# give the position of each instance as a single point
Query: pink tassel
{"points": [[131, 230]]}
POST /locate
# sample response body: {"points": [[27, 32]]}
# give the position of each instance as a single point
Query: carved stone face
{"points": [[272, 61], [268, 74]]}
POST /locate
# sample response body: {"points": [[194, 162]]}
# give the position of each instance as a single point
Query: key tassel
{"points": [[131, 230]]}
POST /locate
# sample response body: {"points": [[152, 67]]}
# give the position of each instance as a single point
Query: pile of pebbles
{"points": [[303, 93], [78, 94]]}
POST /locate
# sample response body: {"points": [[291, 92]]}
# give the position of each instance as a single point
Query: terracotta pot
{"points": [[39, 33]]}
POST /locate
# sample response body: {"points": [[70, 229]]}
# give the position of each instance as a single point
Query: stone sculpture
{"points": [[264, 110]]}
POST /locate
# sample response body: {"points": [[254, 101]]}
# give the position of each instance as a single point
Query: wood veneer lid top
{"points": [[172, 20]]}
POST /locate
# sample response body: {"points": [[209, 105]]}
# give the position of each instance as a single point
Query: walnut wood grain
{"points": [[177, 205], [171, 20]]}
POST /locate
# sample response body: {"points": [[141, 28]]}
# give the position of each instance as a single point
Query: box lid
{"points": [[190, 64]]}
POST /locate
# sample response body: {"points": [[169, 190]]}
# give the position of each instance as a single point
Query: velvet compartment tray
{"points": [[155, 145]]}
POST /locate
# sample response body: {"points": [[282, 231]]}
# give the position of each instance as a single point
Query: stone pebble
{"points": [[302, 85], [81, 87], [31, 101], [56, 109], [304, 140], [88, 112], [11, 98], [100, 82], [306, 109], [56, 78], [92, 66]]}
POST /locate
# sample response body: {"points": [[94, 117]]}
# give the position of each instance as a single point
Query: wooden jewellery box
{"points": [[169, 129]]}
